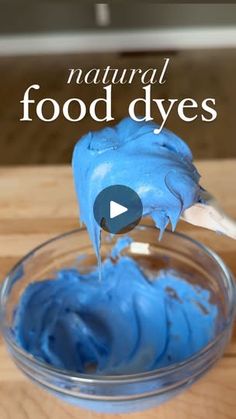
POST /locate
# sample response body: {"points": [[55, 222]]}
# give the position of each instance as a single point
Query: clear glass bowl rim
{"points": [[112, 379]]}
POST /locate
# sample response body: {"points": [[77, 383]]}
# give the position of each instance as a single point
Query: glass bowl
{"points": [[123, 393]]}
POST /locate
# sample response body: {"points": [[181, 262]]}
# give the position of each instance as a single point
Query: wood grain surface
{"points": [[39, 202]]}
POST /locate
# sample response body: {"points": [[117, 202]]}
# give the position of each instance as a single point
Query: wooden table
{"points": [[37, 203]]}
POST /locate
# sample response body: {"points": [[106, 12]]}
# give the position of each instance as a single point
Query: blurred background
{"points": [[39, 42]]}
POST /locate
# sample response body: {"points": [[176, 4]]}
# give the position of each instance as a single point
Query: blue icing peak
{"points": [[157, 166]]}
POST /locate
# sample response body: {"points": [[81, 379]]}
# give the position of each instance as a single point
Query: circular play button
{"points": [[117, 209]]}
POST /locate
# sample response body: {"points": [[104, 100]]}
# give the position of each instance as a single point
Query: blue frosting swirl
{"points": [[157, 166], [124, 324]]}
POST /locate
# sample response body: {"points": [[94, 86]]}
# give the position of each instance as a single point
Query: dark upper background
{"points": [[196, 73]]}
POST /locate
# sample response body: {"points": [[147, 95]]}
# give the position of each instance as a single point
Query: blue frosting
{"points": [[157, 166], [123, 324], [126, 322]]}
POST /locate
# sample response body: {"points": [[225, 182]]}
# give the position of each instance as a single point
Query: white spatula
{"points": [[210, 215]]}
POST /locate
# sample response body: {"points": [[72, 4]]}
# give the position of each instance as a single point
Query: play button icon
{"points": [[117, 209]]}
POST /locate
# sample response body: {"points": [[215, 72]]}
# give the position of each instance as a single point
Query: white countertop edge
{"points": [[114, 41]]}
